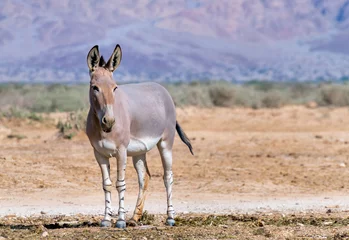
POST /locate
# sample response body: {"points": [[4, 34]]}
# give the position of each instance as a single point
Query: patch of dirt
{"points": [[288, 160], [197, 226]]}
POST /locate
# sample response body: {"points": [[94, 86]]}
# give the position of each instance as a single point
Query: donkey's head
{"points": [[102, 85]]}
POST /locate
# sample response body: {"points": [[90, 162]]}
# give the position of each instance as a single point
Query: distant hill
{"points": [[182, 40]]}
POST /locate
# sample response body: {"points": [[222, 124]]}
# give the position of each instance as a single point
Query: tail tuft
{"points": [[184, 137]]}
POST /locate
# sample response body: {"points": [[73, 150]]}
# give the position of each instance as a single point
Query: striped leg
{"points": [[107, 186], [166, 158], [140, 164], [121, 187]]}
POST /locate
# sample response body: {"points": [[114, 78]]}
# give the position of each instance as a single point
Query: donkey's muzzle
{"points": [[107, 124]]}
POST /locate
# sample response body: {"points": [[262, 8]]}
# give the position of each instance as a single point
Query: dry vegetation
{"points": [[24, 98], [27, 101]]}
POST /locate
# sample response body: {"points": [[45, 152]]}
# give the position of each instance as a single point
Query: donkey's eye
{"points": [[115, 88], [95, 88]]}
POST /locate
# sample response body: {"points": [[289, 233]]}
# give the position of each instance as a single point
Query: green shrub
{"points": [[273, 99], [15, 113], [221, 96], [43, 98], [75, 122], [16, 136], [335, 95], [189, 94]]}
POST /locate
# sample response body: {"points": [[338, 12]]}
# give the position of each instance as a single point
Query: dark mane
{"points": [[102, 62]]}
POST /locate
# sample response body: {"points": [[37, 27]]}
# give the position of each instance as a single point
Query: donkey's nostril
{"points": [[104, 120]]}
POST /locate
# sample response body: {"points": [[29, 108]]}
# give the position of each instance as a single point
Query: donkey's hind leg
{"points": [[140, 164], [165, 150]]}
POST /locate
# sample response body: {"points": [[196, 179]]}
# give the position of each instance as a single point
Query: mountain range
{"points": [[181, 40]]}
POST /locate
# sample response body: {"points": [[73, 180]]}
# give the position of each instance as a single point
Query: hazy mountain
{"points": [[163, 40]]}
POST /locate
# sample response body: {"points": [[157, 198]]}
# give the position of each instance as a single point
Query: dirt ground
{"points": [[268, 173]]}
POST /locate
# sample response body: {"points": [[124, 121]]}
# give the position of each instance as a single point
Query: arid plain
{"points": [[277, 173]]}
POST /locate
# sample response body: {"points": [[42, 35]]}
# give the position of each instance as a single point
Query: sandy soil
{"points": [[292, 160]]}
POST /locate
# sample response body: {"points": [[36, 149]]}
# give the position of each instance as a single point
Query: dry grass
{"points": [[64, 98]]}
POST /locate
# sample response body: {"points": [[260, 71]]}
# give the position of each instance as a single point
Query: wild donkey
{"points": [[129, 120]]}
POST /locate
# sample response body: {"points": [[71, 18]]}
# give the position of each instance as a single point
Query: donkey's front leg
{"points": [[121, 186], [107, 186]]}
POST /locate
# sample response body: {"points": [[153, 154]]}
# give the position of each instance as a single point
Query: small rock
{"points": [[144, 227], [318, 136], [328, 223], [44, 234], [260, 223], [332, 206], [222, 226], [300, 224], [342, 164], [328, 211], [311, 104], [39, 228], [42, 212], [160, 228], [70, 224]]}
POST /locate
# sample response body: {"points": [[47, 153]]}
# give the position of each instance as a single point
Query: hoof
{"points": [[105, 223], [170, 222], [132, 223], [120, 224]]}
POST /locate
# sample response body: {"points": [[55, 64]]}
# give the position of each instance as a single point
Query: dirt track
{"points": [[282, 161]]}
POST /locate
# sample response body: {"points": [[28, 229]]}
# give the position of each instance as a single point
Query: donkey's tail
{"points": [[184, 137]]}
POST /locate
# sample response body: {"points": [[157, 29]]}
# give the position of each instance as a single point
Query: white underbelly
{"points": [[139, 146], [134, 148]]}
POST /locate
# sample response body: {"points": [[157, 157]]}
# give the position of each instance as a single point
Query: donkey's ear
{"points": [[93, 58], [115, 59]]}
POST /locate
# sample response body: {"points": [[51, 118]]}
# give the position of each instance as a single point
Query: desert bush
{"points": [[43, 98], [61, 98], [221, 96], [335, 95], [16, 113], [38, 98], [273, 99], [189, 94], [16, 136], [75, 122]]}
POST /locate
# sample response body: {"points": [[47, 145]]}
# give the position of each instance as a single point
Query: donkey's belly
{"points": [[139, 146]]}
